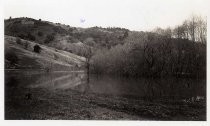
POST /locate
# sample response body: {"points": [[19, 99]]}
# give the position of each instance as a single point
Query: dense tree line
{"points": [[152, 55], [179, 52]]}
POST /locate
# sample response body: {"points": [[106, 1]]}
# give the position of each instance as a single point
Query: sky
{"points": [[138, 15]]}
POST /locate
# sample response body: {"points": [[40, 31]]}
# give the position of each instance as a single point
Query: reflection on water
{"points": [[141, 87]]}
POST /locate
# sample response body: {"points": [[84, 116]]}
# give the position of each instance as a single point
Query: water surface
{"points": [[108, 85]]}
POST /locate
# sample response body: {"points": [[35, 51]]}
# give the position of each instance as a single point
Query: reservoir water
{"points": [[180, 88]]}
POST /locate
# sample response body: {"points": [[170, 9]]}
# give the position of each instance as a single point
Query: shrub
{"points": [[31, 37], [22, 36], [55, 57], [49, 38], [47, 69], [26, 45], [37, 49], [12, 58], [40, 33], [18, 40]]}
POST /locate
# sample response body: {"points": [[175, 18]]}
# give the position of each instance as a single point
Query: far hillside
{"points": [[65, 37]]}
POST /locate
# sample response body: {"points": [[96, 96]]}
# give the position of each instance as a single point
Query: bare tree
{"points": [[179, 31], [168, 32], [201, 29], [192, 27], [164, 32], [195, 29]]}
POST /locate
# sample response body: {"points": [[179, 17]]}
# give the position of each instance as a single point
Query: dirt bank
{"points": [[25, 103]]}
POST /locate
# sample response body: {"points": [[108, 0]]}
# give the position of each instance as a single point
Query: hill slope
{"points": [[64, 37], [21, 55]]}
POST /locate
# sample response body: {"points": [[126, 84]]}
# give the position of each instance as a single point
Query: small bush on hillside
{"points": [[12, 58], [40, 33], [59, 30], [47, 69], [18, 40], [37, 49], [26, 45], [70, 51], [55, 57], [49, 38], [31, 37], [22, 36]]}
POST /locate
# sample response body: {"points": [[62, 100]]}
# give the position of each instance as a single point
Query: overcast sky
{"points": [[132, 14]]}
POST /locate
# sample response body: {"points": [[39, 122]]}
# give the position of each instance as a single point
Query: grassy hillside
{"points": [[64, 37], [20, 54]]}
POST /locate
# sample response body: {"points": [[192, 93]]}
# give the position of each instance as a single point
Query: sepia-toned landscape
{"points": [[60, 72]]}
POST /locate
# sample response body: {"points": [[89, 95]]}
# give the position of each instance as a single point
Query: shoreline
{"points": [[72, 105]]}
